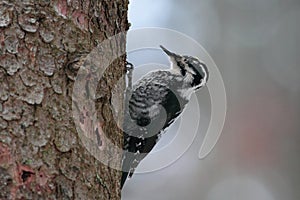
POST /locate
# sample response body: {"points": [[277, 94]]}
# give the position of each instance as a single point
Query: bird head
{"points": [[191, 68]]}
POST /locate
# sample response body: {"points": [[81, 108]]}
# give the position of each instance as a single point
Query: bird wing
{"points": [[152, 107]]}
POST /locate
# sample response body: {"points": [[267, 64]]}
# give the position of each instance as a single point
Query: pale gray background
{"points": [[255, 44]]}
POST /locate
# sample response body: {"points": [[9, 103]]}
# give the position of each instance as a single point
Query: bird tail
{"points": [[126, 167], [124, 177]]}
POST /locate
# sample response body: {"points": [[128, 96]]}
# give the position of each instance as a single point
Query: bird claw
{"points": [[129, 66]]}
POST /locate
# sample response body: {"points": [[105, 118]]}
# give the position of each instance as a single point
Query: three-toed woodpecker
{"points": [[155, 101]]}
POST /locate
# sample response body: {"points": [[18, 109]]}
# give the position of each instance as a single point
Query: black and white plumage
{"points": [[155, 101]]}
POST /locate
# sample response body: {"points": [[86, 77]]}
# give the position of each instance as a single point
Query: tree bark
{"points": [[42, 46]]}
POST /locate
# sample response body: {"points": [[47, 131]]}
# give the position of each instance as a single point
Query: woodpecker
{"points": [[153, 104]]}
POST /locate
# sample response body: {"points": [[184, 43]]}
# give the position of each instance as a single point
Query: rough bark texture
{"points": [[41, 155]]}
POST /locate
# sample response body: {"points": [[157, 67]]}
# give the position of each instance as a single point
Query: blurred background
{"points": [[255, 45]]}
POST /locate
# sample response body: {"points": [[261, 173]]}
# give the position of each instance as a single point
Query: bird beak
{"points": [[169, 53]]}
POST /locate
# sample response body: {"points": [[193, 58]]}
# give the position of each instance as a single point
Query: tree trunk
{"points": [[42, 46]]}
